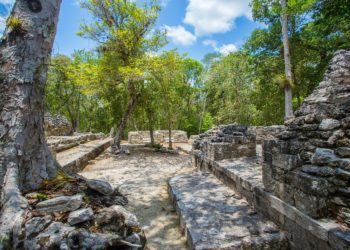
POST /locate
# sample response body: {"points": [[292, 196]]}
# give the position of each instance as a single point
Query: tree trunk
{"points": [[170, 141], [25, 53], [122, 125], [150, 126], [202, 115], [287, 62]]}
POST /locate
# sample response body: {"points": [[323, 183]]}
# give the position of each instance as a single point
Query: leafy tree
{"points": [[125, 31]]}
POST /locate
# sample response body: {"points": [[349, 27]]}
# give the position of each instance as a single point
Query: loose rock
{"points": [[79, 216], [100, 186], [60, 204]]}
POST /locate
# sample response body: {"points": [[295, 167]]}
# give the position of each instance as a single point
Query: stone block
{"points": [[222, 151], [59, 204], [310, 184], [286, 162], [314, 206], [329, 124]]}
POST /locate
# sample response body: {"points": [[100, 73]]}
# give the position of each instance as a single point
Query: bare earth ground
{"points": [[142, 177]]}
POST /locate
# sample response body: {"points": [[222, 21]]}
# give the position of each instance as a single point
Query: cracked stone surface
{"points": [[142, 178], [215, 217]]}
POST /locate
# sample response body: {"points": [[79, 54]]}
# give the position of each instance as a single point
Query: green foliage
{"points": [[41, 197], [172, 91]]}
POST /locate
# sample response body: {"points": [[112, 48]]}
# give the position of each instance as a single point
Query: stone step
{"points": [[244, 176], [214, 217], [75, 159]]}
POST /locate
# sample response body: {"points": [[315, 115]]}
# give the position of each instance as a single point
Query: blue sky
{"points": [[193, 26]]}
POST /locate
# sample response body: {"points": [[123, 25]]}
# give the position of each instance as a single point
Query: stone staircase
{"points": [[216, 217], [224, 205]]}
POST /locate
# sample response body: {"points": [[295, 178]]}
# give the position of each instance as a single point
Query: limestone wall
{"points": [[160, 136], [267, 132], [227, 142], [309, 165], [57, 125]]}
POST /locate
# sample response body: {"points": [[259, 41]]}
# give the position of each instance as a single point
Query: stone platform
{"points": [[244, 175], [215, 217], [75, 159]]}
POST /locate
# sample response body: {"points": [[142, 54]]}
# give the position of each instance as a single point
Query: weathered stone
{"points": [[51, 238], [36, 225], [339, 239], [130, 218], [286, 162], [100, 186], [109, 220], [114, 218], [343, 152], [314, 206], [214, 219], [341, 201], [309, 184], [329, 124], [79, 216], [318, 171], [323, 156], [60, 204], [82, 239], [57, 125], [344, 216], [345, 192]]}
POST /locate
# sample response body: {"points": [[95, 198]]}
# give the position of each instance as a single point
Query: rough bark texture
{"points": [[122, 125], [24, 57], [287, 62]]}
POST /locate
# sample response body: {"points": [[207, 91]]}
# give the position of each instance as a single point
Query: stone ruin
{"points": [[160, 136], [301, 182], [227, 142], [309, 165], [57, 125]]}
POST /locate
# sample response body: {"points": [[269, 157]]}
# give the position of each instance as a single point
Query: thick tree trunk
{"points": [[287, 62], [122, 125], [24, 58]]}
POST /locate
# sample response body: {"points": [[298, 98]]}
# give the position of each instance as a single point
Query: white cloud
{"points": [[215, 16], [224, 49], [180, 36], [227, 49]]}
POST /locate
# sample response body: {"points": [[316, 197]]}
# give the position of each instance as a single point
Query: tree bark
{"points": [[150, 126], [170, 134], [122, 125], [25, 51], [287, 62]]}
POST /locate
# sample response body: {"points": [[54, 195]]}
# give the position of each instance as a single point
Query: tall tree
{"points": [[25, 52], [125, 30], [287, 62]]}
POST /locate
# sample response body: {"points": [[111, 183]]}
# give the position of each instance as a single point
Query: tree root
{"points": [[13, 208]]}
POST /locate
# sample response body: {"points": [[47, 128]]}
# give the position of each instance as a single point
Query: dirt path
{"points": [[142, 177]]}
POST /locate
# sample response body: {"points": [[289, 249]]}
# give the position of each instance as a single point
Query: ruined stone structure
{"points": [[300, 187], [227, 142], [267, 132], [160, 136], [57, 125], [309, 166]]}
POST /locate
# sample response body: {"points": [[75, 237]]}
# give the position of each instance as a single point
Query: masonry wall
{"points": [[308, 166]]}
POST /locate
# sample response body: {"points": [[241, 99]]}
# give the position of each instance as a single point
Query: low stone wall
{"points": [[57, 125], [267, 132], [61, 143], [308, 166], [160, 136], [227, 142]]}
